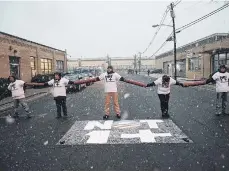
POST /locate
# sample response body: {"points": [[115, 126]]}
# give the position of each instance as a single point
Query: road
{"points": [[193, 139]]}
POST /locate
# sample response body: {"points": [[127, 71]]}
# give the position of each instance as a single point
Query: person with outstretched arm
{"points": [[222, 87], [163, 91], [17, 88], [59, 84], [110, 79]]}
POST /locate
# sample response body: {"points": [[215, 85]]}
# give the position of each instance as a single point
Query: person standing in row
{"points": [[110, 79], [164, 83], [222, 87], [17, 88], [59, 92]]}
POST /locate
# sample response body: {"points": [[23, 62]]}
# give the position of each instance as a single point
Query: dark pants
{"points": [[61, 102], [164, 99], [221, 103], [23, 104]]}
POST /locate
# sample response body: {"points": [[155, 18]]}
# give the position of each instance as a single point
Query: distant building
{"points": [[116, 62], [197, 59], [24, 58]]}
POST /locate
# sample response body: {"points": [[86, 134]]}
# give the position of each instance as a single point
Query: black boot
{"points": [[165, 114], [105, 117]]}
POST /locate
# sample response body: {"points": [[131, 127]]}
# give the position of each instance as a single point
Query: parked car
{"points": [[4, 92], [87, 76], [74, 87], [156, 71], [130, 71], [41, 79]]}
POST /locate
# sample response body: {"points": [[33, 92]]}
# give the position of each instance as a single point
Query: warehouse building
{"points": [[197, 59], [25, 59]]}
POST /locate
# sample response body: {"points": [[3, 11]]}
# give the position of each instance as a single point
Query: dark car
{"points": [[4, 92], [42, 79], [130, 71], [156, 71], [74, 87]]}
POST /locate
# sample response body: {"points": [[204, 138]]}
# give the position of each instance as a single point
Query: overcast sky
{"points": [[120, 29]]}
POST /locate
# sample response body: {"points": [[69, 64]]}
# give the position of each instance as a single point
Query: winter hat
{"points": [[110, 67], [222, 67], [165, 78], [12, 77], [57, 73]]}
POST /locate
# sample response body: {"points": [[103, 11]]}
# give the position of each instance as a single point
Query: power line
{"points": [[159, 27], [176, 3], [162, 21], [202, 18], [193, 23]]}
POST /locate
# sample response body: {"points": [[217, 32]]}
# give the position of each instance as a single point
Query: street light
{"points": [[157, 25], [174, 36]]}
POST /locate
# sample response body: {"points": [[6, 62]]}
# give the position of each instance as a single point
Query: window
{"points": [[222, 59], [14, 66], [46, 66], [194, 64], [59, 66], [33, 66]]}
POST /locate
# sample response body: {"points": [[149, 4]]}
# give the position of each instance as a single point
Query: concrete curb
{"points": [[9, 105]]}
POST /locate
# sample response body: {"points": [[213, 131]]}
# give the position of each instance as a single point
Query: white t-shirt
{"points": [[17, 89], [59, 86], [164, 89], [110, 81], [222, 81]]}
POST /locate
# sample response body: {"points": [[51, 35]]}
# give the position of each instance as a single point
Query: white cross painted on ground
{"points": [[98, 137], [92, 124], [146, 136]]}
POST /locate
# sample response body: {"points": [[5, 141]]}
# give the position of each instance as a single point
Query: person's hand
{"points": [[122, 79]]}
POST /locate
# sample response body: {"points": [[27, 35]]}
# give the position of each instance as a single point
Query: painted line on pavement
{"points": [[123, 132]]}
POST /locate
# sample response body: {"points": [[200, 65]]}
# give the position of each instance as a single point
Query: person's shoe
{"points": [[118, 116], [105, 117], [28, 116], [15, 116], [58, 117], [65, 116], [165, 115], [218, 114]]}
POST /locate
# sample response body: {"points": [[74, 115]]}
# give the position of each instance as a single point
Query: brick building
{"points": [[197, 59], [24, 58]]}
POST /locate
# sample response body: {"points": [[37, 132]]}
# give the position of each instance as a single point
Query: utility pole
{"points": [[174, 40], [108, 60], [135, 62], [139, 62]]}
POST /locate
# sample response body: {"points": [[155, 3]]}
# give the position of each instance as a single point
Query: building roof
{"points": [[200, 42], [3, 33]]}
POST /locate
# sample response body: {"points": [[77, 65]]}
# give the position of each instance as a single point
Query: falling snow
{"points": [[46, 143], [125, 115], [10, 120], [126, 95]]}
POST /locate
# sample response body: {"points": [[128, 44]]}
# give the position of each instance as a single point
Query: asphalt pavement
{"points": [[193, 139]]}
